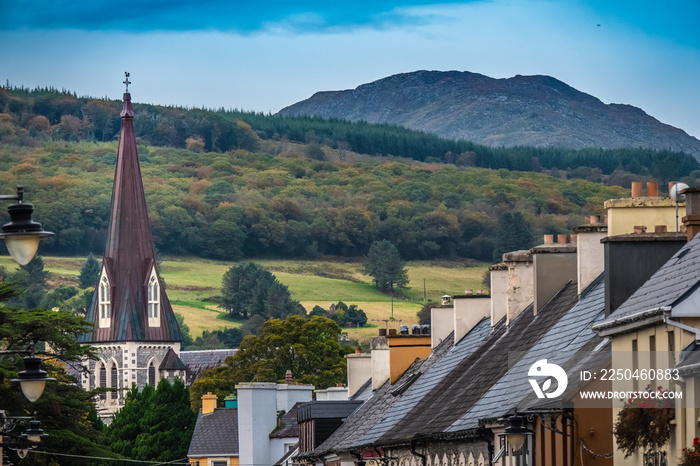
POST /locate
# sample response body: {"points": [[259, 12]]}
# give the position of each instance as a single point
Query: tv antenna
{"points": [[675, 194]]}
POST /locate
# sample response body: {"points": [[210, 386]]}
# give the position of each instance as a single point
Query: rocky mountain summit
{"points": [[519, 111]]}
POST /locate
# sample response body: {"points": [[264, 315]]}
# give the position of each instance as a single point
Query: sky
{"points": [[265, 55]]}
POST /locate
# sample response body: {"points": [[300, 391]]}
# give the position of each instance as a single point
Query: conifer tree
{"points": [[90, 272], [384, 264]]}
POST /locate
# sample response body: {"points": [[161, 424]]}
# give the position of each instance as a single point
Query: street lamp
{"points": [[28, 440], [32, 380], [21, 235], [516, 433]]}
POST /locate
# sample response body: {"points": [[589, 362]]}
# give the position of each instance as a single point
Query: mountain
{"points": [[536, 111]]}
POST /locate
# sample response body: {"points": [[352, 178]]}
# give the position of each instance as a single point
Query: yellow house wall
{"points": [[232, 460], [686, 409], [624, 214], [403, 350]]}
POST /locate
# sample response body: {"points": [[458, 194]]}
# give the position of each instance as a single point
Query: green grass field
{"points": [[190, 281]]}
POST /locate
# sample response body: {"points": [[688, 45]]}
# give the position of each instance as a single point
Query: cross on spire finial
{"points": [[126, 81]]}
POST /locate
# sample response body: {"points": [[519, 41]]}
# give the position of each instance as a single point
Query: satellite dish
{"points": [[675, 192]]}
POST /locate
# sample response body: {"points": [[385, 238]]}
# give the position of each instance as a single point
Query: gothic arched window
{"points": [[115, 379], [102, 379], [153, 300], [104, 301], [152, 374]]}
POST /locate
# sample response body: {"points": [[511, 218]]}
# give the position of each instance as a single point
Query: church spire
{"points": [[130, 303]]}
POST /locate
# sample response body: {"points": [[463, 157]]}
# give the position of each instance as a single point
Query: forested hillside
{"points": [[244, 189], [30, 115]]}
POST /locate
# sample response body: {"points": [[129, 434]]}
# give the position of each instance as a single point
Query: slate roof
{"points": [[129, 255], [215, 434], [171, 362], [463, 385], [470, 385], [198, 361], [667, 286], [353, 433], [288, 425], [364, 392]]}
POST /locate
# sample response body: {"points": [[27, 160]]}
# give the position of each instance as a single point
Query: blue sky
{"points": [[267, 54]]}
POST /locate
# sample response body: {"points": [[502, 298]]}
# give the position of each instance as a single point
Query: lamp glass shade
{"points": [[32, 389], [22, 453], [516, 441], [22, 248], [34, 438]]}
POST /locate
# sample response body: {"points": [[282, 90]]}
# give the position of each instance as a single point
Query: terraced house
{"points": [[569, 304]]}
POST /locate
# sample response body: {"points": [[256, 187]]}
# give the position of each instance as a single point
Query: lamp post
{"points": [[22, 237], [516, 434], [22, 443]]}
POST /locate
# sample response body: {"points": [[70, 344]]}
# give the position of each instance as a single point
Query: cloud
{"points": [[236, 16]]}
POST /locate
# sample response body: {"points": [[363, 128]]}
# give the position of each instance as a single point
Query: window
{"points": [[104, 301], [102, 379], [152, 374], [153, 300], [115, 380], [219, 463]]}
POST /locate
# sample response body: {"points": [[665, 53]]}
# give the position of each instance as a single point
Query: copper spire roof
{"points": [[129, 256]]}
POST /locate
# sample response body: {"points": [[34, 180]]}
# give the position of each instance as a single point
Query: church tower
{"points": [[135, 331]]}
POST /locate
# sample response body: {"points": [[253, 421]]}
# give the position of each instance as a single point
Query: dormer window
{"points": [[104, 301], [153, 300]]}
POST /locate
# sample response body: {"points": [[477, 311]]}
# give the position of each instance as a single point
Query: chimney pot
{"points": [[636, 189], [640, 229], [594, 219], [561, 239], [653, 188], [574, 239], [467, 292], [605, 219], [392, 332], [288, 377], [480, 292], [548, 239], [659, 228]]}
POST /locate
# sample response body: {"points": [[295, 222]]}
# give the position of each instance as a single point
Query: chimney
{"points": [[520, 282], [379, 361], [289, 395], [209, 403], [468, 311], [257, 417], [403, 351], [590, 253], [652, 188], [636, 189], [288, 377], [359, 369], [631, 259], [554, 265], [692, 211], [499, 292], [561, 239], [231, 401], [441, 323]]}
